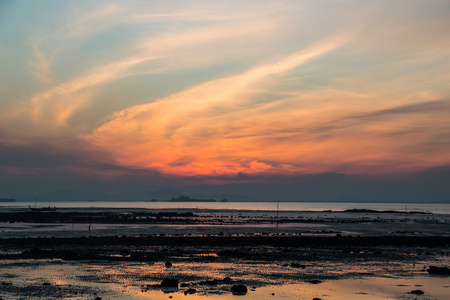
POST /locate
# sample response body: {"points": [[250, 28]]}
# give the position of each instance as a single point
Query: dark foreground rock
{"points": [[315, 281], [170, 282], [239, 289], [417, 292], [438, 270]]}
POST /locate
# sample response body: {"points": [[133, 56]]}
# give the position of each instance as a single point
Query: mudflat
{"points": [[325, 255]]}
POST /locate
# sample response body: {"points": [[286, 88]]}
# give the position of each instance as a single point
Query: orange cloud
{"points": [[201, 123]]}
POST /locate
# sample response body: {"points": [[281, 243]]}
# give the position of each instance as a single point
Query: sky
{"points": [[179, 93]]}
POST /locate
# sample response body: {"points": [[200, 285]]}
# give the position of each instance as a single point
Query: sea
{"points": [[217, 206]]}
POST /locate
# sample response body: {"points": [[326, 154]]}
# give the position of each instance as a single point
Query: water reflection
{"points": [[46, 279]]}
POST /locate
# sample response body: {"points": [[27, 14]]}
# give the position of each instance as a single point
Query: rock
{"points": [[46, 283], [296, 265], [239, 289], [417, 292], [168, 264], [317, 298], [190, 291], [438, 270], [227, 279], [184, 284], [170, 282], [315, 281]]}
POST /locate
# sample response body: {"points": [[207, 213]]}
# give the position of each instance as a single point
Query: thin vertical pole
{"points": [[406, 216], [90, 220], [278, 207]]}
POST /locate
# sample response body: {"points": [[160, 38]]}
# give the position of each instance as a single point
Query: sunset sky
{"points": [[212, 92]]}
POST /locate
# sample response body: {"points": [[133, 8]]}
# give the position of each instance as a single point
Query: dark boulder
{"points": [[168, 264], [170, 282], [438, 270], [417, 292], [239, 289], [315, 281]]}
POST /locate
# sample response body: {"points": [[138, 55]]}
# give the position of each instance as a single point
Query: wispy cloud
{"points": [[159, 134], [57, 104], [42, 64]]}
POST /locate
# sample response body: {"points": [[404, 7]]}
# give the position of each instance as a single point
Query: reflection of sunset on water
{"points": [[135, 281]]}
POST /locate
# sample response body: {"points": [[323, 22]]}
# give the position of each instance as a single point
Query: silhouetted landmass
{"points": [[7, 200], [189, 199]]}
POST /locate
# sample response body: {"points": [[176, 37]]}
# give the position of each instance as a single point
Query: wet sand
{"points": [[324, 255]]}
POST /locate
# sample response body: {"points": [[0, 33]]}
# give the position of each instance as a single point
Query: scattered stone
{"points": [[417, 292], [438, 270], [98, 298], [170, 282], [315, 281], [168, 264], [190, 291], [227, 279], [317, 298], [46, 283], [184, 284], [239, 289]]}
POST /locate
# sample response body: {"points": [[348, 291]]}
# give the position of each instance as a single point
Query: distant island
{"points": [[7, 200], [189, 199]]}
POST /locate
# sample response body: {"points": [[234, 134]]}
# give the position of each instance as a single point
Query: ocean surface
{"points": [[253, 206]]}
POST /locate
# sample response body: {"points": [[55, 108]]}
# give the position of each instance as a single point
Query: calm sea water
{"points": [[254, 206]]}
